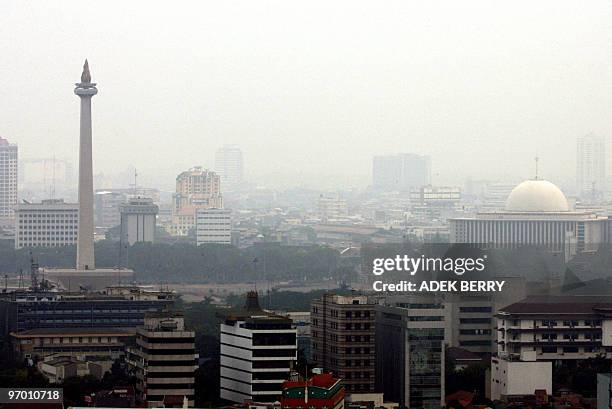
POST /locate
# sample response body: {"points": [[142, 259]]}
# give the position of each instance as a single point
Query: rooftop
{"points": [[561, 305]]}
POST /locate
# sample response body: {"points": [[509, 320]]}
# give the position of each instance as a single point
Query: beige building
{"points": [[164, 359], [196, 188]]}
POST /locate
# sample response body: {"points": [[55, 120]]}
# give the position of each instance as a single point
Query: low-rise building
{"points": [[82, 343], [319, 392], [519, 378], [51, 223], [213, 226]]}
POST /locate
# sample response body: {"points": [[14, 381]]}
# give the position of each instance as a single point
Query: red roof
{"points": [[325, 380]]}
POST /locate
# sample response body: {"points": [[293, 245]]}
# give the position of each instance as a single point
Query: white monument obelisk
{"points": [[85, 239]]}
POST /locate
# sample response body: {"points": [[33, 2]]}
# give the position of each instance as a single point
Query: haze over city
{"points": [[311, 92]]}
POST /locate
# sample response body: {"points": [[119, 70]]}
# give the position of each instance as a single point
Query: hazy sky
{"points": [[310, 89]]}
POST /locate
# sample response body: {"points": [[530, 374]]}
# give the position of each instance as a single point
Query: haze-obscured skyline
{"points": [[313, 89]]}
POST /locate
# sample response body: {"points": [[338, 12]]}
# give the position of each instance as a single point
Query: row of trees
{"points": [[182, 262]]}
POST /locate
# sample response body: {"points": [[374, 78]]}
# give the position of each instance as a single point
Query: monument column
{"points": [[85, 239]]}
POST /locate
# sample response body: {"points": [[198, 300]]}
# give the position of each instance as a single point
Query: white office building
{"points": [[50, 223], [258, 352], [213, 226], [138, 220], [8, 181]]}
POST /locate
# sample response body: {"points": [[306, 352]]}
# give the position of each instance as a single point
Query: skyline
{"points": [[261, 80]]}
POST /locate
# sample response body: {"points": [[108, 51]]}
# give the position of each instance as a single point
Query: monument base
{"points": [[93, 280]]}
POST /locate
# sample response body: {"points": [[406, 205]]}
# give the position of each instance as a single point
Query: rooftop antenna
{"points": [[53, 180], [135, 180], [536, 167]]}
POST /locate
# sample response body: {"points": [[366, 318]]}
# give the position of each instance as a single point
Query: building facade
{"points": [[106, 208], [229, 165], [138, 220], [196, 188], [343, 339], [213, 226], [164, 359], [51, 223], [258, 353], [591, 167], [8, 181], [331, 208], [401, 171], [556, 328], [410, 366], [536, 214]]}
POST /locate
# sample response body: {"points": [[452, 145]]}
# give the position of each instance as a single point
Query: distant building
{"points": [[401, 171], [51, 223], [258, 353], [410, 336], [319, 392], [138, 220], [164, 359], [8, 181], [591, 167], [343, 339], [229, 165], [213, 226], [331, 208], [106, 208], [435, 196], [536, 213], [196, 188]]}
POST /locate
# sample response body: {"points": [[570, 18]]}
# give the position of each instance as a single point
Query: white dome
{"points": [[536, 196]]}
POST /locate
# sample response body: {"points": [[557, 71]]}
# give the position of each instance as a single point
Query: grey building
{"points": [[401, 171], [138, 220], [410, 338]]}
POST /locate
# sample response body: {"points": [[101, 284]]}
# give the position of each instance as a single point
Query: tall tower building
{"points": [[229, 165], [85, 238], [8, 181], [402, 172], [591, 167]]}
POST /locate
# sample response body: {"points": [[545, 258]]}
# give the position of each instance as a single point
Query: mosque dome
{"points": [[536, 196]]}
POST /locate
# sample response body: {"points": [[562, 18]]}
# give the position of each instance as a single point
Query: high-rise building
{"points": [[138, 220], [591, 167], [51, 223], [258, 353], [8, 181], [343, 342], [196, 188], [164, 360], [401, 172], [229, 165], [410, 336], [213, 226]]}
